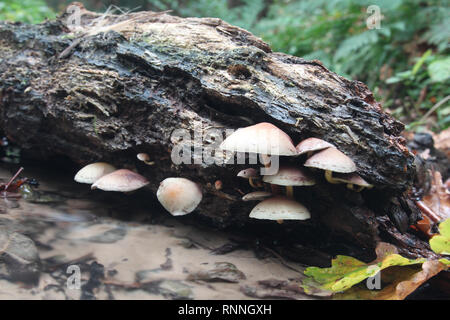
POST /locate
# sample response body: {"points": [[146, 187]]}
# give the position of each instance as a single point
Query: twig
{"points": [[74, 43], [434, 108], [430, 214], [12, 179]]}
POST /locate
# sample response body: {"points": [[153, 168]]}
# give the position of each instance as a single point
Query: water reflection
{"points": [[124, 249]]}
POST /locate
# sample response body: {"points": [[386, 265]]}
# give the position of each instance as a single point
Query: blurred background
{"points": [[399, 48]]}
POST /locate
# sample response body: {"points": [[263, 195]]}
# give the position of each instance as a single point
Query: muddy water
{"points": [[124, 249]]}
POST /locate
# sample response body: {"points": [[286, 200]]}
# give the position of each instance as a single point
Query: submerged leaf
{"points": [[222, 272]]}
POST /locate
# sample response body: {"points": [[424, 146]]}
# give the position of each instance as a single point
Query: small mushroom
{"points": [[331, 160], [94, 171], [352, 180], [144, 157], [289, 176], [256, 195], [312, 144], [280, 208], [179, 196], [252, 175], [263, 138], [122, 180]]}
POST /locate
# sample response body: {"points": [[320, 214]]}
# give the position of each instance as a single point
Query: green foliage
{"points": [[336, 32], [245, 15], [31, 11], [441, 243], [426, 86]]}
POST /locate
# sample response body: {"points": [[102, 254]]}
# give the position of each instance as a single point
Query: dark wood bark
{"points": [[122, 89]]}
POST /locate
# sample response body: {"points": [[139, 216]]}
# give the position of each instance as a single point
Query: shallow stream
{"points": [[122, 249]]}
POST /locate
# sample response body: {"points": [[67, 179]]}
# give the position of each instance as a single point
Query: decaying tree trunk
{"points": [[119, 85]]}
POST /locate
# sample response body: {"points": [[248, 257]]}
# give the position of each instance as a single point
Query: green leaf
{"points": [[439, 70], [345, 272], [421, 61], [441, 243]]}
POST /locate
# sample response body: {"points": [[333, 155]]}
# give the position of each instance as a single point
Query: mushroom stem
{"points": [[255, 183], [266, 163], [329, 177], [274, 188], [351, 186], [265, 160], [290, 192]]}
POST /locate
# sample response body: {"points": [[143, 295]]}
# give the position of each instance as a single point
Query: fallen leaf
{"points": [[424, 226], [345, 272], [438, 199], [441, 243], [442, 141], [399, 282]]}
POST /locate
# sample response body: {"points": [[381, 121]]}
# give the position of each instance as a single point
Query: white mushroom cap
{"points": [[122, 180], [92, 172], [263, 138], [256, 195], [352, 178], [179, 196], [290, 176], [248, 173], [312, 144], [143, 156], [331, 159], [280, 208]]}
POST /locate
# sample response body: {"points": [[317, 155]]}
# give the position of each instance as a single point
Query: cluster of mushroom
{"points": [[321, 155], [179, 196], [103, 176]]}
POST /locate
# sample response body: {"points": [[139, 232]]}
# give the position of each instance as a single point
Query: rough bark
{"points": [[110, 92]]}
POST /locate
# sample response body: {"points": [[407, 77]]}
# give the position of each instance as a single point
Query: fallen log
{"points": [[117, 85]]}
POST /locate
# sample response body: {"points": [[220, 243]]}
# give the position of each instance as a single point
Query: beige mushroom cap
{"points": [[312, 144], [263, 138], [280, 208], [248, 173], [331, 159], [122, 180], [290, 176], [352, 178], [92, 172], [256, 195], [179, 196], [143, 156]]}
